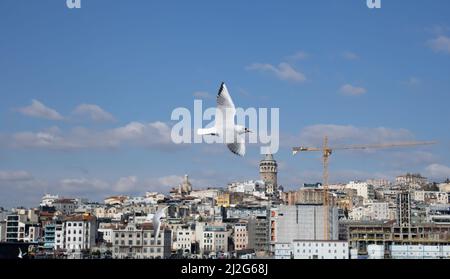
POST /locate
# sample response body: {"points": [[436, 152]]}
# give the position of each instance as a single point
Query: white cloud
{"points": [[202, 95], [440, 44], [43, 139], [437, 171], [125, 184], [299, 55], [93, 112], [170, 180], [283, 71], [83, 185], [15, 176], [351, 90], [39, 110], [350, 55], [152, 135]]}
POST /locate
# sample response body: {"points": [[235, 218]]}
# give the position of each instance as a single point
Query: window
{"points": [[69, 224]]}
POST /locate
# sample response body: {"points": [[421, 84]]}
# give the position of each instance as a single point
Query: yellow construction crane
{"points": [[326, 153]]}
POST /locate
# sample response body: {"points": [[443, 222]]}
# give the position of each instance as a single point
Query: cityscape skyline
{"points": [[87, 93]]}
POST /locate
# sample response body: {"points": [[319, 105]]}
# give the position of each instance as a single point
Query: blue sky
{"points": [[105, 79]]}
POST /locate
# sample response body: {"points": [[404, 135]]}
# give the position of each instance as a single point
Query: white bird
{"points": [[224, 125], [157, 221], [20, 256]]}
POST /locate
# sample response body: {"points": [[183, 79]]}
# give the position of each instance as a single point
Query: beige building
{"points": [[214, 238], [138, 241], [240, 236]]}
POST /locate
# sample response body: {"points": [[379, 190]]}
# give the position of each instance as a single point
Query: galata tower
{"points": [[268, 170]]}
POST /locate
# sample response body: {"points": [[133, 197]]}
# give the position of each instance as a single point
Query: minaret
{"points": [[268, 169]]}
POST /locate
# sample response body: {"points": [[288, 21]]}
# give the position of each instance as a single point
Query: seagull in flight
{"points": [[157, 220], [225, 126], [20, 256]]}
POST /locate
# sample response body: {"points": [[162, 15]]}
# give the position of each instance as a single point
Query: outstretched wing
{"points": [[157, 228], [225, 111], [157, 221], [238, 146]]}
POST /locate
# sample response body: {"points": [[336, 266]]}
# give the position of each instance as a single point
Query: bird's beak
{"points": [[248, 131]]}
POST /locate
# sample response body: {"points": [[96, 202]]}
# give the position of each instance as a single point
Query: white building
{"points": [[372, 211], [312, 249], [48, 200], [363, 189], [412, 180], [378, 211], [283, 251], [379, 182], [65, 206], [358, 213], [247, 187], [214, 239], [138, 241], [183, 239], [431, 197], [303, 221], [79, 232], [205, 194], [375, 252], [59, 237], [420, 251], [34, 233], [106, 230]]}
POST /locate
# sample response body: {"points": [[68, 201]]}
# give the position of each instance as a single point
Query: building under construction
{"points": [[362, 234]]}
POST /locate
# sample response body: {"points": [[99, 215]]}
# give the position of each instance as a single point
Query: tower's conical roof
{"points": [[268, 157]]}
